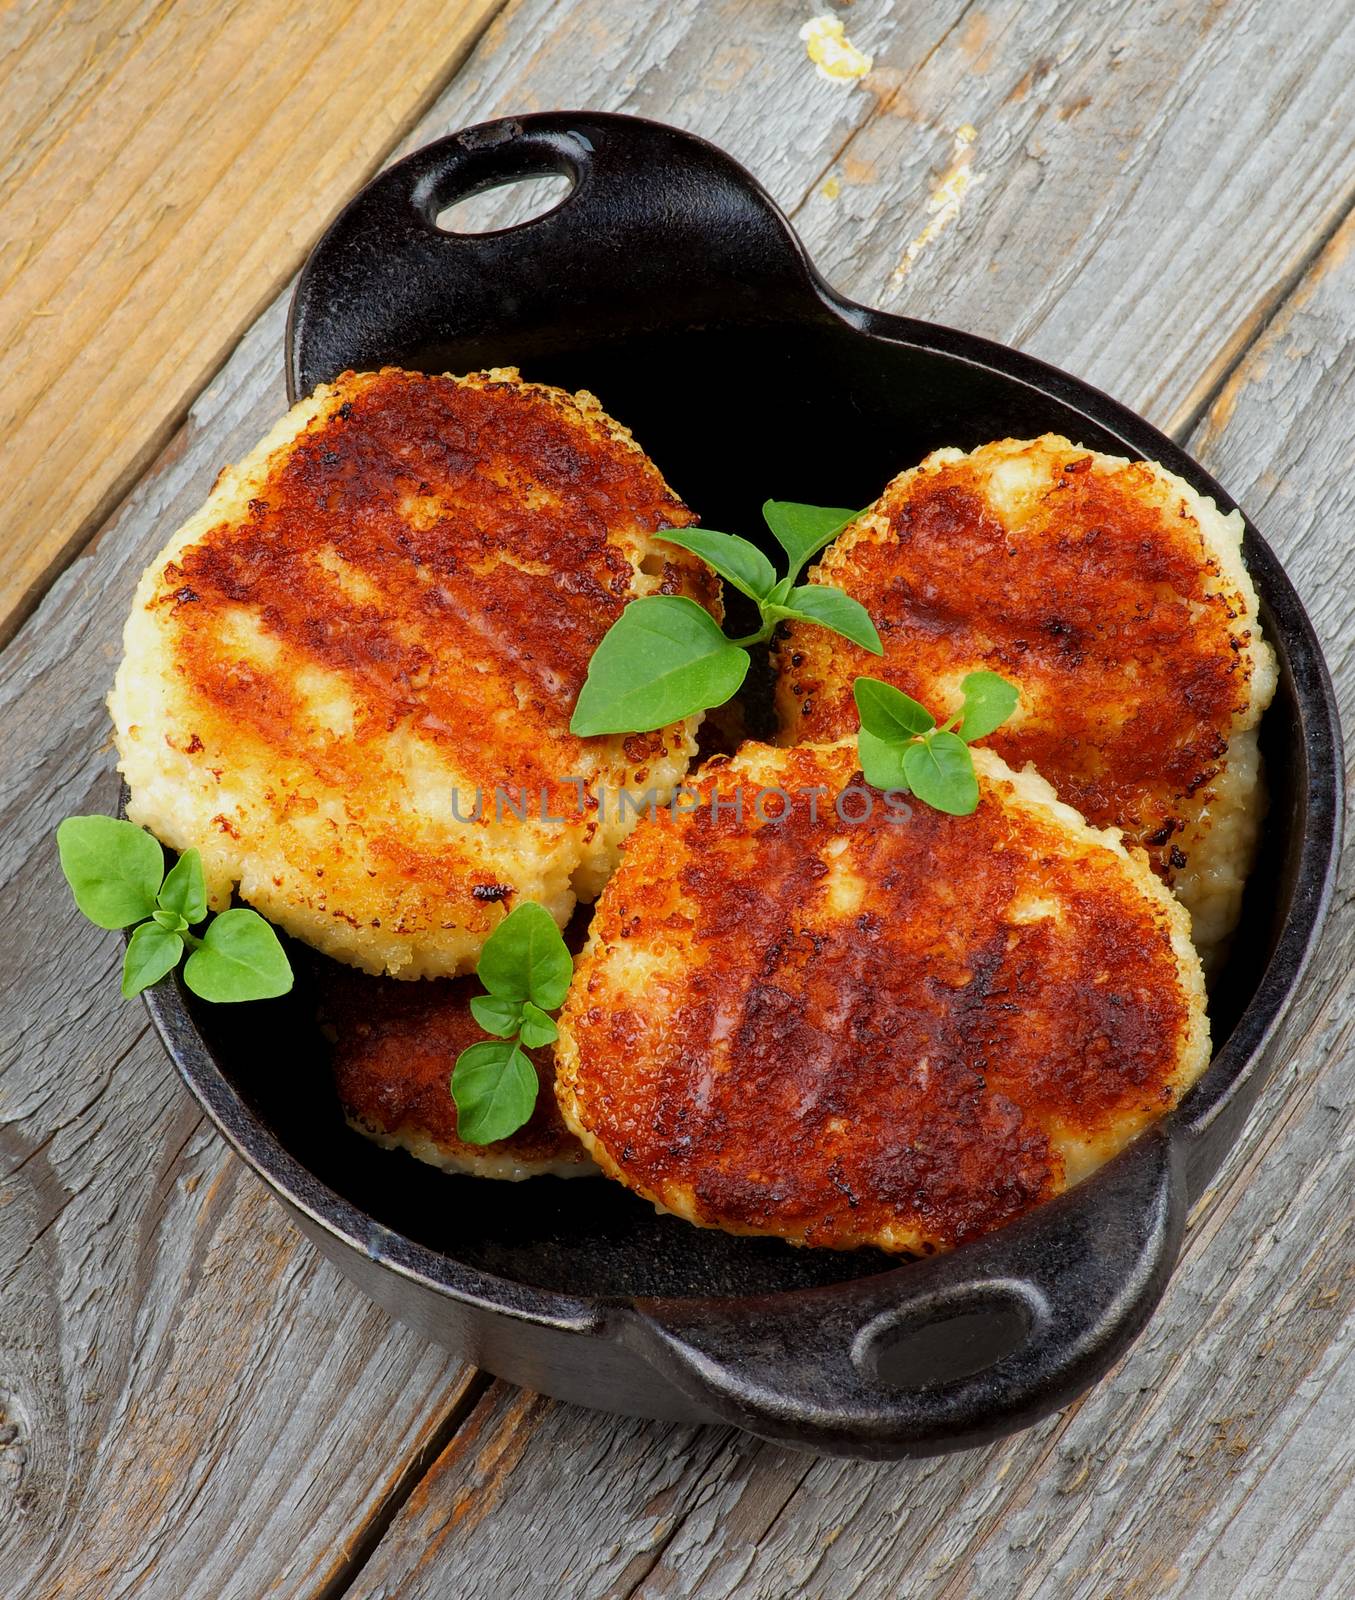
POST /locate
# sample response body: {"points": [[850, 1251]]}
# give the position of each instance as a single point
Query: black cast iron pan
{"points": [[669, 283]]}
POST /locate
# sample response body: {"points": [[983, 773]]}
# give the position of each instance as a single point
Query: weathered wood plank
{"points": [[1215, 1460], [94, 1200], [1144, 183], [167, 167], [211, 1266]]}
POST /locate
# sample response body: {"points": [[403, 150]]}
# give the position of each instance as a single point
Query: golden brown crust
{"points": [[1109, 592], [476, 527], [393, 1049], [892, 1033], [391, 603]]}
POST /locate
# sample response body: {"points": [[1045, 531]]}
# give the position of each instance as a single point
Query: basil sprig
{"points": [[666, 658], [901, 748], [526, 968], [117, 874]]}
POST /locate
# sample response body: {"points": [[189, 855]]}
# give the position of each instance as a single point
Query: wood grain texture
{"points": [[196, 1410], [1173, 168], [167, 167]]}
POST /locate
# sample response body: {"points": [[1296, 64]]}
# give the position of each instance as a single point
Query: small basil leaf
{"points": [[830, 608], [239, 959], [184, 890], [882, 761], [152, 951], [736, 560], [988, 701], [526, 959], [940, 771], [537, 1027], [497, 1014], [171, 921], [113, 867], [888, 712], [802, 531], [663, 659], [494, 1086], [777, 596]]}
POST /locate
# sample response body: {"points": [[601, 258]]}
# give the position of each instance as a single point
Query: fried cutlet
{"points": [[901, 1030], [393, 1047], [1114, 597], [348, 679]]}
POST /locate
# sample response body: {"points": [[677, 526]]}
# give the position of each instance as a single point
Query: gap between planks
{"points": [[369, 1535], [1201, 400]]}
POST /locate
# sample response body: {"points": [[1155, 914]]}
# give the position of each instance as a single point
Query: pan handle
{"points": [[953, 1351], [658, 223]]}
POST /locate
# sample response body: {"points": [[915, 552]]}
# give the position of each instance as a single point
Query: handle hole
{"points": [[507, 204], [941, 1343]]}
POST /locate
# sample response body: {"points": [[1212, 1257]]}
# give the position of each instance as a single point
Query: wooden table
{"points": [[1155, 195]]}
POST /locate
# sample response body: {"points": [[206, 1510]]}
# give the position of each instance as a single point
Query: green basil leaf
{"points": [[152, 951], [494, 1086], [802, 531], [184, 891], [171, 921], [537, 1028], [882, 761], [497, 1014], [664, 658], [888, 712], [525, 958], [113, 867], [940, 771], [988, 701], [736, 560], [830, 608], [239, 959]]}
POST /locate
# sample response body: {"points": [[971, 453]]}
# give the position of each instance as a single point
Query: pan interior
{"points": [[808, 411]]}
